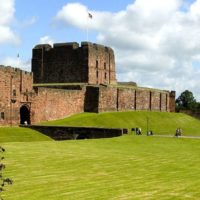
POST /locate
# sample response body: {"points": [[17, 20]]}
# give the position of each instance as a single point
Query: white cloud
{"points": [[46, 40], [74, 14], [7, 11], [156, 41], [27, 22], [17, 62]]}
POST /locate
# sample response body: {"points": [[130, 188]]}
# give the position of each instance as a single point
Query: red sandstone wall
{"points": [[69, 63], [155, 101], [164, 100], [172, 105], [101, 63], [122, 99], [107, 99], [126, 99], [51, 104], [62, 63], [15, 84], [142, 99]]}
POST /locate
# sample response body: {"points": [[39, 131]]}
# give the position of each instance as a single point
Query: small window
{"points": [[97, 64], [104, 65], [97, 77], [97, 74], [14, 93], [105, 75], [2, 115]]}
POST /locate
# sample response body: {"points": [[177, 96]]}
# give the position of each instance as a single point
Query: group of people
{"points": [[178, 132], [138, 131]]}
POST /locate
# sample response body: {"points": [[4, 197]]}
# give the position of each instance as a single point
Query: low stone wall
{"points": [[73, 133]]}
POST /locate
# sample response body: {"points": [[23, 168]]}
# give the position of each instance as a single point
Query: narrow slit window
{"points": [[2, 115], [97, 64], [14, 93]]}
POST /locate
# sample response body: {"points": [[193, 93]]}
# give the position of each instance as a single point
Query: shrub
{"points": [[3, 180]]}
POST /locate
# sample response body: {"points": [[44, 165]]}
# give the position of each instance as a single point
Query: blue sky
{"points": [[156, 42], [42, 13]]}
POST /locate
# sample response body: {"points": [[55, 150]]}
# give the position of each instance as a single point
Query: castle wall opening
{"points": [[25, 115]]}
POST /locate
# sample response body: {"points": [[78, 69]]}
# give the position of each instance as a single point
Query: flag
{"points": [[18, 55], [90, 15]]}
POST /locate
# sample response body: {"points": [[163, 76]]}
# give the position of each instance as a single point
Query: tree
{"points": [[186, 101], [3, 180]]}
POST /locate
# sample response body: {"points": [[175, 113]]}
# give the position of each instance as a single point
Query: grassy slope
{"points": [[159, 122], [17, 134], [128, 167]]}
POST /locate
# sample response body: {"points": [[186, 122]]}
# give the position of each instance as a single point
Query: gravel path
{"points": [[171, 136]]}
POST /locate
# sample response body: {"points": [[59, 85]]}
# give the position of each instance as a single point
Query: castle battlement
{"points": [[70, 63], [74, 46], [71, 78], [14, 70]]}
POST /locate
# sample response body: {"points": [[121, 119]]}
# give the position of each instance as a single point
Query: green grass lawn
{"points": [[158, 122], [18, 134], [123, 168]]}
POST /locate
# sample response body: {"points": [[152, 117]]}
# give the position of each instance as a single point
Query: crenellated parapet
{"points": [[70, 63], [9, 69], [72, 78]]}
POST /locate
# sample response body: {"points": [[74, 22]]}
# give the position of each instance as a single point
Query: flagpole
{"points": [[87, 29], [89, 16], [18, 60]]}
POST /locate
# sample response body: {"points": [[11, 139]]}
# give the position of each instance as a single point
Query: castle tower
{"points": [[70, 63]]}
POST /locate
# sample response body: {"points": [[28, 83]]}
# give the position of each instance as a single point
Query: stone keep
{"points": [[70, 63], [89, 85]]}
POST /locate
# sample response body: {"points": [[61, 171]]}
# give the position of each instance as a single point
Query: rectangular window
{"points": [[97, 74], [97, 64], [14, 93], [105, 75], [105, 66], [2, 115], [97, 77]]}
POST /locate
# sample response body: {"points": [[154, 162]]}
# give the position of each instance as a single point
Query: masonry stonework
{"points": [[51, 104], [16, 86], [69, 63], [70, 79]]}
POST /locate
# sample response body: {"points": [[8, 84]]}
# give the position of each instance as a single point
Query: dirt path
{"points": [[184, 136]]}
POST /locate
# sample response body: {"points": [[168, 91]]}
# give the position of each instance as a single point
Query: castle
{"points": [[68, 79]]}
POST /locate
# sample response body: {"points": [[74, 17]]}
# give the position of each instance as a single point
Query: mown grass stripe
{"points": [[128, 167]]}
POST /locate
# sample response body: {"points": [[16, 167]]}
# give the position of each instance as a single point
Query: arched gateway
{"points": [[25, 115]]}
